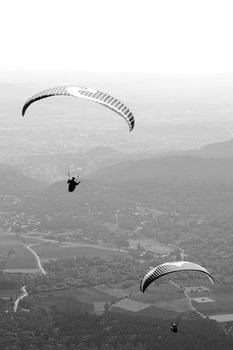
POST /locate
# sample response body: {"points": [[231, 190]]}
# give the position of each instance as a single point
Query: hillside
{"points": [[217, 150], [14, 183], [169, 170], [222, 149]]}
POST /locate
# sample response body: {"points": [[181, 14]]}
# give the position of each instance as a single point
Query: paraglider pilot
{"points": [[174, 327], [73, 183]]}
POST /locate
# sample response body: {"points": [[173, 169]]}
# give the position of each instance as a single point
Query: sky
{"points": [[180, 36]]}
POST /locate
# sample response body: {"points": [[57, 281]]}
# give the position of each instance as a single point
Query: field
{"points": [[130, 305], [150, 311], [150, 244], [89, 295], [7, 293], [222, 304], [154, 295], [176, 305], [31, 240], [119, 292], [156, 312], [55, 250], [14, 255], [158, 293], [222, 318], [222, 296], [85, 295]]}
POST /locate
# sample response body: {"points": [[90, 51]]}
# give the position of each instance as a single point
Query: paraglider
{"points": [[89, 94], [167, 268], [170, 267], [174, 327], [73, 182]]}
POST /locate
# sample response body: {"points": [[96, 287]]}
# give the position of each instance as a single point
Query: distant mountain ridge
{"points": [[221, 149], [184, 183], [169, 169], [210, 164], [53, 167], [14, 183], [217, 150]]}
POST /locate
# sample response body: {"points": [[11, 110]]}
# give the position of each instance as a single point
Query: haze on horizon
{"points": [[171, 62], [151, 36]]}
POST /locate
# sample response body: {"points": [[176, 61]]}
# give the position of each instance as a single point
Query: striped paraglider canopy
{"points": [[90, 94], [170, 267]]}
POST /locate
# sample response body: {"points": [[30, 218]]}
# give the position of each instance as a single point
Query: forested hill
{"points": [[131, 333], [217, 150], [184, 184], [223, 149], [14, 183], [70, 329], [170, 169]]}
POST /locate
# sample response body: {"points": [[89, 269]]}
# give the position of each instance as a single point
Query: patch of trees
{"points": [[67, 328]]}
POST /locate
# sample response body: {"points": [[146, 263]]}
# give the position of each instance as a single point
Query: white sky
{"points": [[188, 36]]}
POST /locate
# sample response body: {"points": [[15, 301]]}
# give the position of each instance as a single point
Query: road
{"points": [[29, 247], [23, 289], [16, 304]]}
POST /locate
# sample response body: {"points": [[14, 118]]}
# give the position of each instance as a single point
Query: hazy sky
{"points": [[122, 35]]}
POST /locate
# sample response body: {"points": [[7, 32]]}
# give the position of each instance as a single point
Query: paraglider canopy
{"points": [[89, 94], [168, 268]]}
